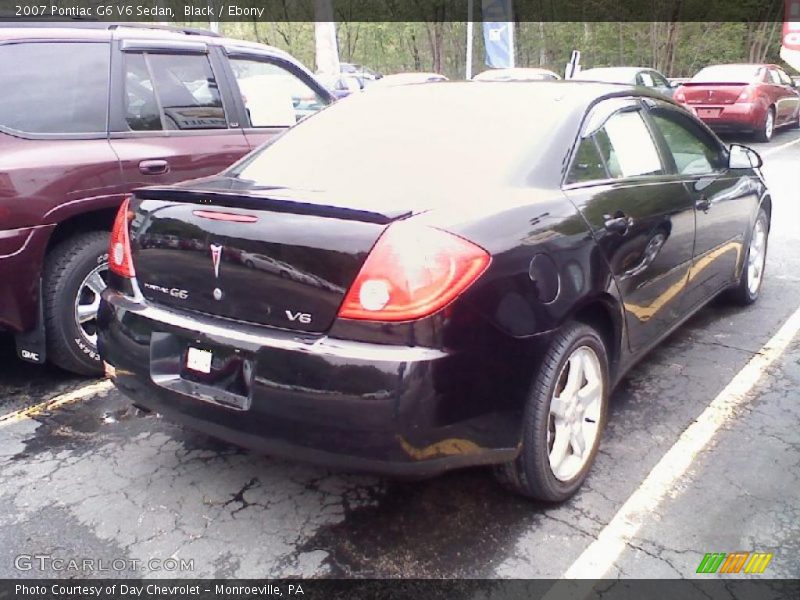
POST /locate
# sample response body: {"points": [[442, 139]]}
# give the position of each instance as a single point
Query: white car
{"points": [[517, 74], [407, 79]]}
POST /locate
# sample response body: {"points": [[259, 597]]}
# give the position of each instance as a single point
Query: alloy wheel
{"points": [[87, 302], [756, 256], [575, 410], [769, 125]]}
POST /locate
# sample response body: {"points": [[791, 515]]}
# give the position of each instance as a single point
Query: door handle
{"points": [[153, 167], [618, 223], [703, 204]]}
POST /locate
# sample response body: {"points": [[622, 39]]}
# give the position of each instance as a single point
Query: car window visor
{"points": [[171, 46], [604, 111]]}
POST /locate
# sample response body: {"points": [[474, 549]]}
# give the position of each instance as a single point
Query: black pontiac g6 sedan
{"points": [[448, 275]]}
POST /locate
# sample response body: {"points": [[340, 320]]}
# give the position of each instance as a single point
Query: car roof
{"points": [[101, 31], [412, 76], [572, 91], [754, 65], [522, 97], [515, 74], [619, 69], [519, 70]]}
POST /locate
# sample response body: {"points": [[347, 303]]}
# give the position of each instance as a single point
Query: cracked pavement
{"points": [[99, 479], [743, 493]]}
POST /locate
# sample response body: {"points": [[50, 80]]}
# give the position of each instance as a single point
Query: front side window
{"points": [[785, 79], [692, 149], [624, 148], [658, 80], [272, 95], [171, 91], [54, 88]]}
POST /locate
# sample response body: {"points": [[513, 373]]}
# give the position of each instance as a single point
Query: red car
{"points": [[750, 98]]}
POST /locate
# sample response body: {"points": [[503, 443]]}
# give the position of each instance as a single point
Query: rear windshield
{"points": [[54, 88], [406, 136], [727, 74]]}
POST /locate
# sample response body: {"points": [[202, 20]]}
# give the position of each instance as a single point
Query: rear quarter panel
{"points": [[519, 299], [43, 181]]}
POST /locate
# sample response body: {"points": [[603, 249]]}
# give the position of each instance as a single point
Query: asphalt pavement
{"points": [[95, 479]]}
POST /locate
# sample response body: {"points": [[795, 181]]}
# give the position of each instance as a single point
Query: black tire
{"points": [[741, 293], [530, 474], [796, 123], [66, 267], [761, 134]]}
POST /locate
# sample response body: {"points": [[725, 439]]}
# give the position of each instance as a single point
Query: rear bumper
{"points": [[730, 117], [392, 410]]}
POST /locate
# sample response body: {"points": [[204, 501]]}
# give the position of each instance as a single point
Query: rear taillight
{"points": [[413, 271], [679, 95], [746, 95], [119, 249]]}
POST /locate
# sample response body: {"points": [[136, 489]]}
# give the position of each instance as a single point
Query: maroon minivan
{"points": [[91, 111]]}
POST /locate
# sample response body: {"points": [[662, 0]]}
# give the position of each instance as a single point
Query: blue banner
{"points": [[498, 33]]}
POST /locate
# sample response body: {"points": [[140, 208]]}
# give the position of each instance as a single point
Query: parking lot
{"points": [[89, 476]]}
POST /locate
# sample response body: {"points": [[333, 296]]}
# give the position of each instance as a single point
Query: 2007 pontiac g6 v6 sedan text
{"points": [[448, 274]]}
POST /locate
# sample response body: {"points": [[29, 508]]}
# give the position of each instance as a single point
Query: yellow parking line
{"points": [[60, 400]]}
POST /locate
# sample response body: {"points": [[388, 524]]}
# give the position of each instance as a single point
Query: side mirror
{"points": [[742, 157]]}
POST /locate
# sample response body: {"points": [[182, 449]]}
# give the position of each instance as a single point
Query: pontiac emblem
{"points": [[216, 255]]}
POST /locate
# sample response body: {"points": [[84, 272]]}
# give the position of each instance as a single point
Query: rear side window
{"points": [[141, 106], [646, 79], [54, 88], [588, 164], [622, 147], [171, 91]]}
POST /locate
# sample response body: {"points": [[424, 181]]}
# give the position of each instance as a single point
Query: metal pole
{"points": [[470, 25], [512, 58]]}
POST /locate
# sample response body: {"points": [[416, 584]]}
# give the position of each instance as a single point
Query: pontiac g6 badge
{"points": [[216, 255]]}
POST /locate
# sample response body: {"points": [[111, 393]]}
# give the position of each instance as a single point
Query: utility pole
{"points": [[470, 26], [327, 48]]}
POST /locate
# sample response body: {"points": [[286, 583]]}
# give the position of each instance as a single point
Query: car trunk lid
{"points": [[275, 257], [712, 93]]}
